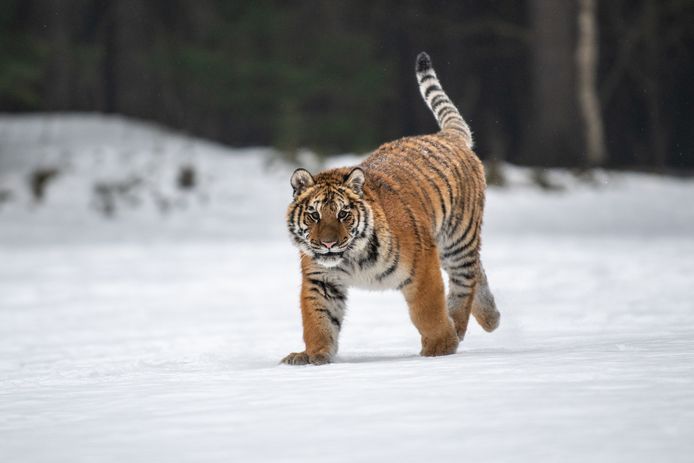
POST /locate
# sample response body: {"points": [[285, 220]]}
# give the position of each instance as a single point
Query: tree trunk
{"points": [[126, 82], [586, 61], [652, 86], [56, 16], [553, 136]]}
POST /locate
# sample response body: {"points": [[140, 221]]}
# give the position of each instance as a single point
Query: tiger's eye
{"points": [[315, 216], [343, 214]]}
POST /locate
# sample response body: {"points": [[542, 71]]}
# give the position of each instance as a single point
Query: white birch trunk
{"points": [[586, 60]]}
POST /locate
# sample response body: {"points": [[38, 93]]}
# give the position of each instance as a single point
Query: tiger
{"points": [[412, 207]]}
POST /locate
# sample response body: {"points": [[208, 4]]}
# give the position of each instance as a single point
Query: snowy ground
{"points": [[154, 335]]}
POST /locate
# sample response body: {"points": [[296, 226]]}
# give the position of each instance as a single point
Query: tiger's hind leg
{"points": [[462, 282], [425, 296], [483, 304], [461, 260], [468, 293]]}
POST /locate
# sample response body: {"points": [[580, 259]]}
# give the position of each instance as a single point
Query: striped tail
{"points": [[444, 110]]}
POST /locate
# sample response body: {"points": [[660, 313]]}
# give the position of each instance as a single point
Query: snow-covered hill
{"points": [[151, 331], [116, 179]]}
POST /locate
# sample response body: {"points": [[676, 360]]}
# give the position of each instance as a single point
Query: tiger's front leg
{"points": [[426, 298], [322, 311]]}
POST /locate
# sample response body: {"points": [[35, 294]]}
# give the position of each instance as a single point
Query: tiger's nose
{"points": [[328, 244]]}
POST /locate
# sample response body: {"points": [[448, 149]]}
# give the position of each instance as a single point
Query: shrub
{"points": [[39, 180]]}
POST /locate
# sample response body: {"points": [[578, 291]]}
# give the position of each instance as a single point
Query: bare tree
{"points": [[586, 63]]}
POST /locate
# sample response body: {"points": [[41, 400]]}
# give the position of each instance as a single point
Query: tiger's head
{"points": [[329, 214]]}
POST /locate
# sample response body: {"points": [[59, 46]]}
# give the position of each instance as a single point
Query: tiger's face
{"points": [[328, 214]]}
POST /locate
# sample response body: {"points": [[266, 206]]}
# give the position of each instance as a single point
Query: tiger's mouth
{"points": [[329, 254], [328, 259]]}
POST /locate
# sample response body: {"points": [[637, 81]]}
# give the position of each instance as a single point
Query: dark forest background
{"points": [[337, 76]]}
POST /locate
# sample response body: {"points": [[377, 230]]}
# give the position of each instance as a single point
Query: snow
{"points": [[155, 334]]}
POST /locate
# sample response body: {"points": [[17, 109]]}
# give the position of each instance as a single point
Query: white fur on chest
{"points": [[369, 278]]}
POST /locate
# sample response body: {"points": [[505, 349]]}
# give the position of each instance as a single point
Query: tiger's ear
{"points": [[355, 181], [301, 180]]}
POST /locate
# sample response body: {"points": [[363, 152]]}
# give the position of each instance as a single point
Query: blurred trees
{"points": [[554, 135], [338, 76]]}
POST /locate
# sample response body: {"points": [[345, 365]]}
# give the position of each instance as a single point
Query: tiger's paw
{"points": [[302, 358], [445, 345]]}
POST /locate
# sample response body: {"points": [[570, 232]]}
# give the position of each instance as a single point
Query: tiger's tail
{"points": [[444, 110]]}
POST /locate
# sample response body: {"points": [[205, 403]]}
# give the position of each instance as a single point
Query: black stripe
{"points": [[461, 245], [440, 107], [389, 270], [333, 319], [405, 282], [292, 221], [445, 111], [454, 224], [418, 238], [455, 259], [436, 187], [343, 270], [453, 117], [455, 114], [461, 237], [440, 157], [442, 175], [431, 88], [379, 181], [419, 193], [470, 236], [372, 252], [467, 259], [426, 77], [467, 269], [458, 282], [318, 291], [333, 291], [448, 154], [296, 213], [327, 289], [458, 210], [462, 248], [458, 295], [363, 217], [468, 275], [393, 266], [437, 101]]}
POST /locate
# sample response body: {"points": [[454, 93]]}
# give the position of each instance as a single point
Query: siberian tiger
{"points": [[413, 206]]}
